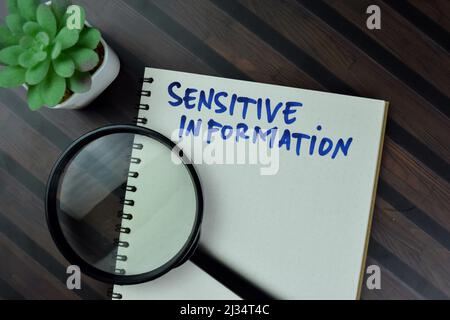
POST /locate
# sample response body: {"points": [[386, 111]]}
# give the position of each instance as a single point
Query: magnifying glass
{"points": [[124, 204]]}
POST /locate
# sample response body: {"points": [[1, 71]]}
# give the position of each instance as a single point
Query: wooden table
{"points": [[308, 44]]}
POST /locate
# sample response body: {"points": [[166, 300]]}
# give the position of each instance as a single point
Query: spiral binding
{"points": [[129, 203], [143, 106], [139, 120], [135, 160], [126, 216], [130, 188], [123, 244], [120, 257], [138, 146], [133, 174], [113, 295], [121, 229]]}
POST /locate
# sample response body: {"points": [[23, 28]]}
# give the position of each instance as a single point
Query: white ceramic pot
{"points": [[101, 79]]}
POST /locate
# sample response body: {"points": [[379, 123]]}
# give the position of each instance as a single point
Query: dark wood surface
{"points": [[308, 44]]}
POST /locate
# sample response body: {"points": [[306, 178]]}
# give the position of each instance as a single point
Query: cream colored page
{"points": [[187, 282], [299, 234]]}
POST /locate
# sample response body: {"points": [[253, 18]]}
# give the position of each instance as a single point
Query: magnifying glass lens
{"points": [[126, 205]]}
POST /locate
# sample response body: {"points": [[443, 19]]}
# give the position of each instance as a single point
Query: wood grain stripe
{"points": [[412, 245], [404, 272], [39, 255], [429, 27], [415, 81], [436, 10], [407, 43], [9, 293]]}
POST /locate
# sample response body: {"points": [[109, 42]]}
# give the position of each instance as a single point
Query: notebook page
{"points": [[300, 233], [187, 282]]}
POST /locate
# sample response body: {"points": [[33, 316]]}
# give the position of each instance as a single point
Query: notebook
{"points": [[288, 176]]}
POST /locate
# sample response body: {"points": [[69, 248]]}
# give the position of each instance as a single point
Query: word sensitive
{"points": [[222, 102]]}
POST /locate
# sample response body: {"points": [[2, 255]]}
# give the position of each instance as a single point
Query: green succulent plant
{"points": [[40, 51]]}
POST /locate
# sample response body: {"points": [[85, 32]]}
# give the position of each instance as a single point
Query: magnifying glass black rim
{"points": [[58, 235]]}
